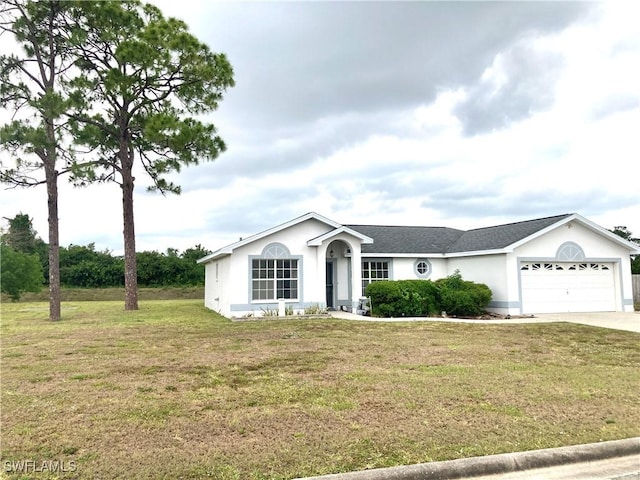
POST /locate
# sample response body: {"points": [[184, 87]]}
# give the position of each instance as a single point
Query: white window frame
{"points": [[275, 274], [382, 270]]}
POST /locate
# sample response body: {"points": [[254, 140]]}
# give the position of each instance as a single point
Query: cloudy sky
{"points": [[419, 113]]}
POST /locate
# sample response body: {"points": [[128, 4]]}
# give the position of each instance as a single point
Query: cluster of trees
{"points": [[96, 89], [25, 264], [83, 266]]}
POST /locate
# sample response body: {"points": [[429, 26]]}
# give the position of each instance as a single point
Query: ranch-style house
{"points": [[563, 263]]}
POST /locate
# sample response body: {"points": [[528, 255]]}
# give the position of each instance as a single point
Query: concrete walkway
{"points": [[629, 321]]}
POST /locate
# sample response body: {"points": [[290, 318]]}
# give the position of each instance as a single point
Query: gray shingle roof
{"points": [[391, 239], [501, 236], [425, 240]]}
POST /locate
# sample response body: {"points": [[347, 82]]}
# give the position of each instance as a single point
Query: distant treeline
{"points": [[84, 266]]}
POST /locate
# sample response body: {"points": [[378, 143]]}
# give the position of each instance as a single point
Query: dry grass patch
{"points": [[175, 391]]}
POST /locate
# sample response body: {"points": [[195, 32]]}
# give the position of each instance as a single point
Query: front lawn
{"points": [[176, 391]]}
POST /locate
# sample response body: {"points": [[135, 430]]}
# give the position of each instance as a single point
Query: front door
{"points": [[329, 284]]}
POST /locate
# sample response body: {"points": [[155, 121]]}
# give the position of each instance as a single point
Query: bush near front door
{"points": [[419, 298]]}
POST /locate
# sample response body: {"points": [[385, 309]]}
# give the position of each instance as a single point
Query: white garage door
{"points": [[567, 287]]}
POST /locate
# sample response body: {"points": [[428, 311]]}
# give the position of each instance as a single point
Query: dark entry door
{"points": [[329, 284]]}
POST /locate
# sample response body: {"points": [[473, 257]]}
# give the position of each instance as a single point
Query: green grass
{"points": [[107, 294], [176, 391]]}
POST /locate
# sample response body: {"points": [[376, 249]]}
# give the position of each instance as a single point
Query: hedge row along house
{"points": [[563, 263]]}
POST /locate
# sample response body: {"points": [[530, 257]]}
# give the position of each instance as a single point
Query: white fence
{"points": [[635, 281]]}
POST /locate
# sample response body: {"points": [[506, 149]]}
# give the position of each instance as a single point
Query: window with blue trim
{"points": [[274, 278], [422, 268], [373, 271]]}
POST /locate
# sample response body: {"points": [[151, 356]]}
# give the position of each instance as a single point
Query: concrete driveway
{"points": [[614, 320]]}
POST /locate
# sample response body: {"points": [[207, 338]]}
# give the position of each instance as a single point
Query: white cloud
{"points": [[333, 124]]}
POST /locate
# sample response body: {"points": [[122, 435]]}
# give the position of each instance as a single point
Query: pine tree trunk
{"points": [[54, 248], [51, 177], [130, 262]]}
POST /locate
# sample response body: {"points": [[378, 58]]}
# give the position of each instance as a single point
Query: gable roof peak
{"points": [[243, 241]]}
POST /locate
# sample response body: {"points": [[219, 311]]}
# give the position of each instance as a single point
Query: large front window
{"points": [[274, 278], [374, 271]]}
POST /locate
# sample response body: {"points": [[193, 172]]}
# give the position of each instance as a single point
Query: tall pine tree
{"points": [[144, 79], [30, 86]]}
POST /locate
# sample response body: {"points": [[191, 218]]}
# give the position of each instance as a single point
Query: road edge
{"points": [[495, 464]]}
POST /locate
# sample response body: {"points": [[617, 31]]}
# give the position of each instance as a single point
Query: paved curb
{"points": [[495, 464]]}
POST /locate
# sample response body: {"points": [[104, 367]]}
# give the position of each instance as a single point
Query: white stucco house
{"points": [[563, 263]]}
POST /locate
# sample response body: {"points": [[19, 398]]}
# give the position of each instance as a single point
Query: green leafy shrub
{"points": [[411, 298], [385, 296], [20, 272], [418, 298], [459, 297], [427, 294]]}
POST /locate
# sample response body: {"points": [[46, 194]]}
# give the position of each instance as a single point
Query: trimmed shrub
{"points": [[385, 296], [411, 298], [460, 298], [419, 298]]}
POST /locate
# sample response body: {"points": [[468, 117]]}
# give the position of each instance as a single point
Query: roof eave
{"points": [[317, 241], [475, 253], [223, 252], [402, 255], [633, 248]]}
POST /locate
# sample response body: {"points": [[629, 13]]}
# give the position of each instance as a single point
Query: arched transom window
{"points": [[275, 250], [570, 251]]}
